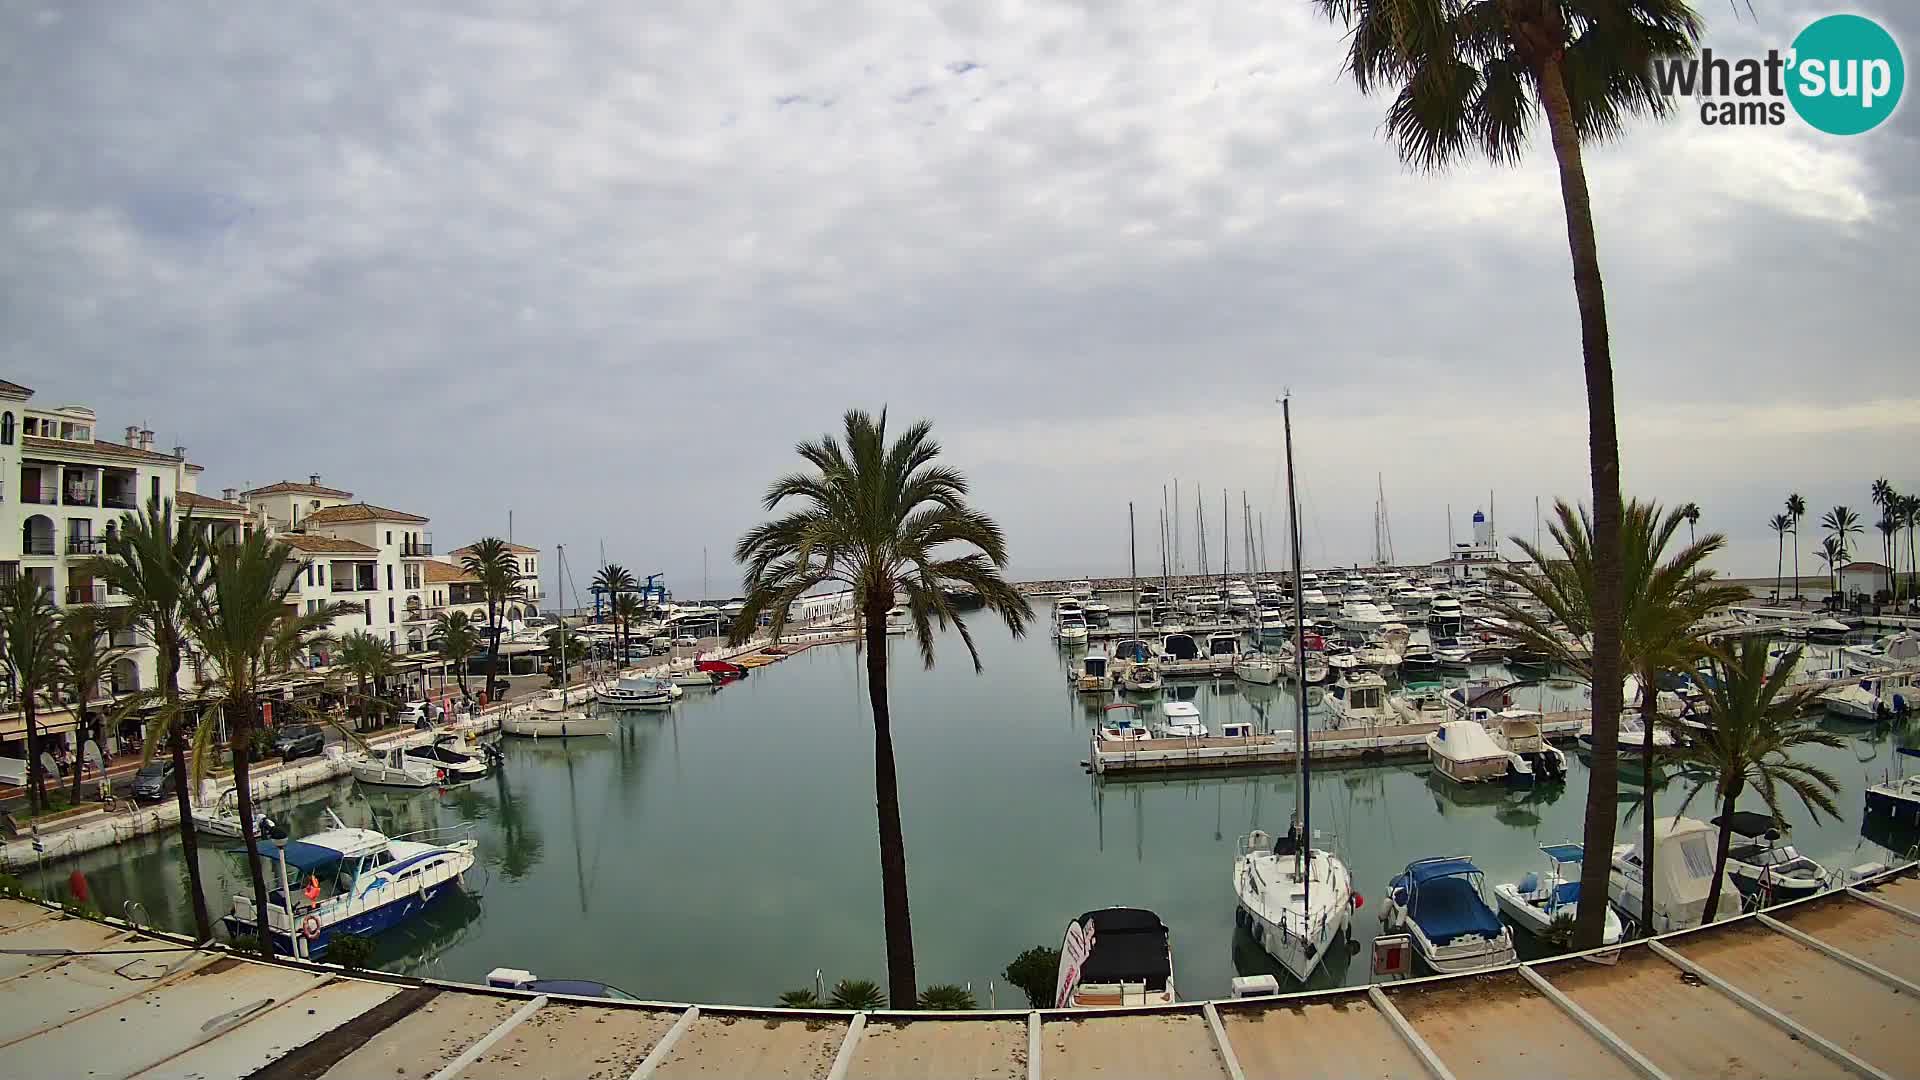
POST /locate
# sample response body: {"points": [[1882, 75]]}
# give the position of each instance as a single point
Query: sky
{"points": [[602, 265]]}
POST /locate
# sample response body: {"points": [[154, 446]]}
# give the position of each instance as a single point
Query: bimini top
{"points": [[301, 856], [1129, 945], [1564, 853], [1429, 869]]}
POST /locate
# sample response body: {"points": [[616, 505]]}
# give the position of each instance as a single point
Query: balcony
{"points": [[94, 593], [118, 500], [37, 545], [352, 587], [38, 498], [416, 549], [86, 545], [82, 496]]}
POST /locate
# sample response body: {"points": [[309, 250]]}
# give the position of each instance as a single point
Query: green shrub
{"points": [[1035, 972], [860, 994], [947, 997]]}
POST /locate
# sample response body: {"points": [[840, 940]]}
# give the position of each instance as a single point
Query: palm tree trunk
{"points": [[1649, 710], [893, 845], [1779, 564], [79, 750], [36, 779], [493, 648], [182, 798], [1603, 453], [1719, 855], [240, 720], [1796, 558]]}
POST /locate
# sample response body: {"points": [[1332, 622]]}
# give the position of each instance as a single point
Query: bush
{"points": [[1035, 972], [861, 995], [350, 951], [947, 997]]}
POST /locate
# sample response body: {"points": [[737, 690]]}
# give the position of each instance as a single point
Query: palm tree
{"points": [[1796, 509], [454, 638], [1834, 556], [627, 608], [368, 660], [1841, 523], [85, 658], [249, 632], [1780, 524], [1889, 528], [612, 581], [1910, 520], [882, 520], [1757, 723], [496, 569], [1691, 512], [159, 564], [1471, 79], [1663, 600], [30, 646]]}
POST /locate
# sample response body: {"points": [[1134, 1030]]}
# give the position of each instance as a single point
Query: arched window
{"points": [[6, 430]]}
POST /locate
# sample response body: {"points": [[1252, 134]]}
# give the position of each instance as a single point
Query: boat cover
{"points": [[1448, 908], [301, 855], [1746, 822], [1129, 945]]}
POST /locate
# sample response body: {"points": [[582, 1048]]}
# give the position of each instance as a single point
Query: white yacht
{"points": [[1182, 721], [394, 768], [1068, 605], [1223, 646], [1361, 617], [1096, 609], [1683, 872], [1259, 668], [456, 756], [1444, 608], [1121, 723], [1071, 630], [1537, 900], [638, 692], [552, 717], [1874, 697], [354, 881], [1464, 752], [1441, 904], [1128, 961], [1766, 869], [223, 818], [1313, 600], [1359, 699], [1530, 757]]}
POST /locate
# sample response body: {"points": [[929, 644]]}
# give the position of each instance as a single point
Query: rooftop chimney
{"points": [[180, 452], [146, 438], [230, 494], [314, 479], [133, 434]]}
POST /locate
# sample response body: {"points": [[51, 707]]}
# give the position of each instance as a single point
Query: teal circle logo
{"points": [[1847, 74]]}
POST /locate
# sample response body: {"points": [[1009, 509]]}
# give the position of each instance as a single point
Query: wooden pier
{"points": [[1381, 743]]}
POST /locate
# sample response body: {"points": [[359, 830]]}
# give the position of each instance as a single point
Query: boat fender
{"points": [[310, 927], [1359, 901]]}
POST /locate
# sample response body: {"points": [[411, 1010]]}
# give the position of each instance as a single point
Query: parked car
{"points": [[686, 641], [299, 740], [155, 781]]}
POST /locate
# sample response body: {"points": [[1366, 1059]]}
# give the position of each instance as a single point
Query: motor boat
{"points": [[1444, 610], [1420, 707], [1068, 605], [1361, 617], [1826, 630], [1179, 647], [1295, 900], [1633, 737], [1683, 863], [1418, 661], [1530, 757], [1765, 869], [454, 755], [1258, 668], [356, 881], [223, 818], [1874, 698], [1464, 752], [1121, 723], [1080, 590], [1440, 904], [527, 982], [1125, 959], [1538, 900], [688, 675], [1142, 678], [1359, 699], [1182, 721], [1097, 610], [1092, 676], [1071, 629], [551, 717], [1314, 600], [395, 768], [1223, 646], [1896, 798], [636, 692], [723, 671]]}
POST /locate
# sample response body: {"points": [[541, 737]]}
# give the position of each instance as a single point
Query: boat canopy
{"points": [[1444, 899], [1132, 649], [1129, 945], [1429, 869], [1181, 709], [1180, 646], [1096, 665], [1564, 853], [1749, 823], [301, 856]]}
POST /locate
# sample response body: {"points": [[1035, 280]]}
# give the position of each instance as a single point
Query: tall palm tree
{"points": [[1796, 509], [1758, 722], [627, 609], [369, 661], [1841, 525], [1780, 524], [1691, 512], [1663, 600], [883, 520], [159, 563], [1889, 527], [1471, 80], [29, 643], [249, 631], [612, 580], [1834, 556], [496, 569], [453, 636], [1910, 520], [85, 658]]}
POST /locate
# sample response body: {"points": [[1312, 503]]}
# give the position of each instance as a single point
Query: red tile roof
{"points": [[325, 545], [520, 548], [14, 388], [110, 449], [193, 500], [354, 512], [439, 573], [288, 487]]}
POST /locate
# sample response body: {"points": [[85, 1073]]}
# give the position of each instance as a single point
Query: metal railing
{"points": [[348, 586], [86, 545], [88, 497], [128, 501], [40, 498], [37, 545], [415, 548], [87, 594]]}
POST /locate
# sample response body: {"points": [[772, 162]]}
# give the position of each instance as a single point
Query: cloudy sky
{"points": [[602, 264]]}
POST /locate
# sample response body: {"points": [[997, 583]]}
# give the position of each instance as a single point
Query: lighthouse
{"points": [[1482, 531]]}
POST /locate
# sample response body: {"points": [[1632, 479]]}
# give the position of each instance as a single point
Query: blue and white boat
{"points": [[1440, 903], [348, 881], [1536, 900]]}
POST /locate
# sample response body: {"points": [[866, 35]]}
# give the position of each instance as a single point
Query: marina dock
{"points": [[1385, 742], [1822, 987]]}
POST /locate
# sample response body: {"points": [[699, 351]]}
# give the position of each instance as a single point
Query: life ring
{"points": [[310, 927]]}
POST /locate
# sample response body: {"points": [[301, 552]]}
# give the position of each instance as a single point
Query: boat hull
{"points": [[539, 727]]}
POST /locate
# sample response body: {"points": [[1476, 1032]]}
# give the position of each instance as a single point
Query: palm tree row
{"points": [[1898, 514]]}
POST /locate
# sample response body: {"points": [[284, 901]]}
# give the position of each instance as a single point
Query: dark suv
{"points": [[154, 781], [298, 741]]}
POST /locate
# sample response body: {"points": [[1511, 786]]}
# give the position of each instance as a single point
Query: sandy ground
{"points": [[987, 1049], [1334, 1041], [1120, 1044], [753, 1046]]}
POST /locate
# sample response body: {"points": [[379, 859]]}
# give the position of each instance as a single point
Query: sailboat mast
{"points": [[1133, 556], [561, 551], [1226, 547], [1179, 565], [1301, 749]]}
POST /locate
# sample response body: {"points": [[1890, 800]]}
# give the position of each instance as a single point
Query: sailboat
{"points": [[1293, 898], [553, 716]]}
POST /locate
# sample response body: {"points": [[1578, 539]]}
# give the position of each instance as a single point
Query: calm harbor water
{"points": [[726, 850]]}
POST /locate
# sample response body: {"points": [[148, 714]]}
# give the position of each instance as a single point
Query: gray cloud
{"points": [[603, 266]]}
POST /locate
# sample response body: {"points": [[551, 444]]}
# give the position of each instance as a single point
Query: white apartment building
{"points": [[451, 588]]}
